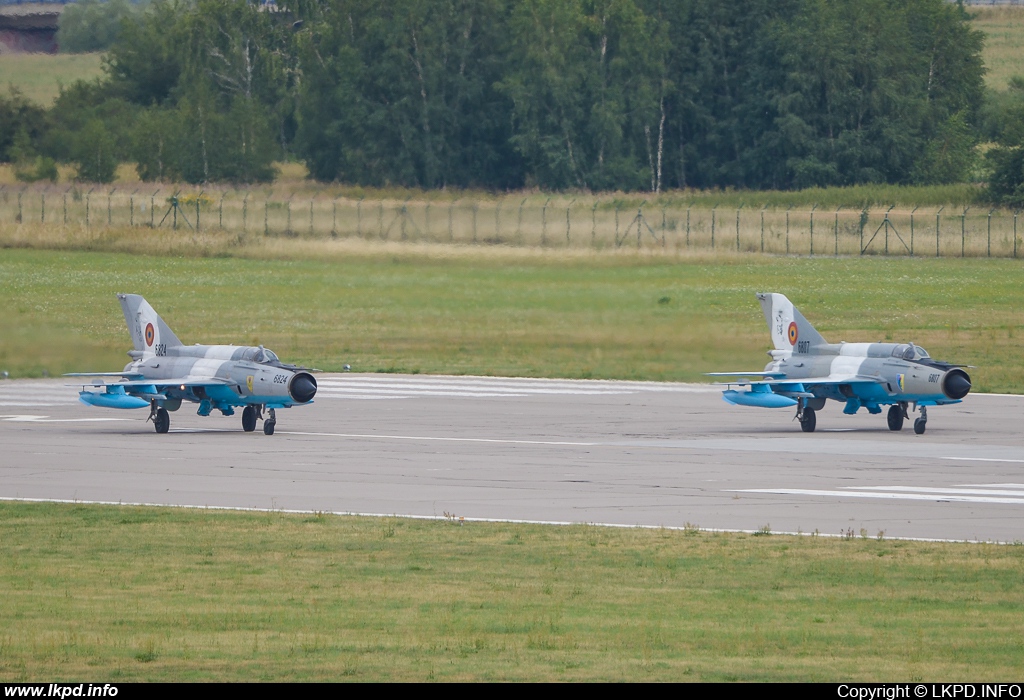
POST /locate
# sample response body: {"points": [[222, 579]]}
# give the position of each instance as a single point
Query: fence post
{"points": [[937, 230], [152, 207], [963, 230], [109, 214], [266, 213], [245, 213], [405, 216], [593, 225], [762, 226], [476, 208], [497, 221], [519, 222], [812, 228], [19, 205], [713, 212], [912, 230], [887, 229], [334, 218], [380, 220], [311, 199], [42, 206], [617, 205], [288, 205], [990, 232], [738, 227], [568, 224], [220, 210], [88, 196], [688, 226], [837, 231], [66, 206], [426, 221], [544, 223], [1015, 234], [451, 228], [199, 199], [664, 228]]}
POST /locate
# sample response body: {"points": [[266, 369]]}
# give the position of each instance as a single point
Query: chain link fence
{"points": [[534, 221]]}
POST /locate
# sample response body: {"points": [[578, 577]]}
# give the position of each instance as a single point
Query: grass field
{"points": [[129, 594], [501, 311], [1004, 42], [39, 76]]}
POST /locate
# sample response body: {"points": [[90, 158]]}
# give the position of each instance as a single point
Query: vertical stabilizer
{"points": [[149, 332], [787, 325]]}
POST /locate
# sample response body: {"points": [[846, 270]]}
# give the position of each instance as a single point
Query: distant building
{"points": [[29, 27]]}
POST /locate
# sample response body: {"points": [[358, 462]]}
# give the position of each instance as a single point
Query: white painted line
{"points": [[511, 521], [984, 459], [443, 439], [993, 486], [928, 489], [47, 419], [879, 494]]}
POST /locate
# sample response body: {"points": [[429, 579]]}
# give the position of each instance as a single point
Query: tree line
{"points": [[557, 94]]}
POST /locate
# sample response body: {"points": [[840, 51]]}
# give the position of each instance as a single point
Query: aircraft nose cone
{"points": [[303, 388], [957, 384]]}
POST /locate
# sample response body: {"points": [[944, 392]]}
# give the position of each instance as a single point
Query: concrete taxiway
{"points": [[627, 453]]}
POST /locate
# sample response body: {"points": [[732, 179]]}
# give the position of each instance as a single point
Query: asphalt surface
{"points": [[624, 453]]}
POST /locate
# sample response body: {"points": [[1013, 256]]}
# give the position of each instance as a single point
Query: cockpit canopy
{"points": [[260, 354], [909, 351]]}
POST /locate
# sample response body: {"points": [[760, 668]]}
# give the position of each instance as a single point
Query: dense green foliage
{"points": [[92, 25], [562, 94]]}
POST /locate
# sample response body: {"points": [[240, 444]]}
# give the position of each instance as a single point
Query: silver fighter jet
{"points": [[806, 370], [164, 372]]}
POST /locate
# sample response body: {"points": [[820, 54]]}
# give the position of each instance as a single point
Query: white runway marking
{"points": [[443, 439], [986, 494], [47, 419], [985, 459]]}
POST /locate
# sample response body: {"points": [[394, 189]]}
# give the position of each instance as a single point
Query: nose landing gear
{"points": [[920, 423]]}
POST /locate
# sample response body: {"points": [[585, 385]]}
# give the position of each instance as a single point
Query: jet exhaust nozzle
{"points": [[956, 384], [302, 388]]}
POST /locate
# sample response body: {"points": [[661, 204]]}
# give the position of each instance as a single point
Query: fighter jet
{"points": [[164, 372], [806, 370]]}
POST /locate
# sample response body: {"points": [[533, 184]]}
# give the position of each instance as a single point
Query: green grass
{"points": [[39, 76], [499, 311], [132, 594], [1004, 42]]}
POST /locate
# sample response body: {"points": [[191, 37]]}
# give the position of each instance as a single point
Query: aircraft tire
{"points": [[162, 422], [268, 427], [808, 421], [249, 419], [895, 417], [919, 425]]}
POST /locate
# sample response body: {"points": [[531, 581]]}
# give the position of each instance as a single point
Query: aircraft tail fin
{"points": [[787, 325], [149, 332]]}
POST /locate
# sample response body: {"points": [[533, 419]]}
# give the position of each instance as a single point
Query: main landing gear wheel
{"points": [[162, 421], [895, 417], [807, 420], [249, 419], [270, 423]]}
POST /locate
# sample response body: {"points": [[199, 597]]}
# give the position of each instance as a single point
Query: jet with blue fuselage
{"points": [[806, 370], [164, 372]]}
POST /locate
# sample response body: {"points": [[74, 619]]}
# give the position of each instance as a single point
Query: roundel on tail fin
{"points": [[793, 333], [150, 335]]}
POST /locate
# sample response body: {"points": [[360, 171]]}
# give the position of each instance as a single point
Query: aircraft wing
{"points": [[174, 381], [103, 374]]}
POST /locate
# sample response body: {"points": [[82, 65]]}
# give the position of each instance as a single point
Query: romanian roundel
{"points": [[792, 333], [150, 333]]}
